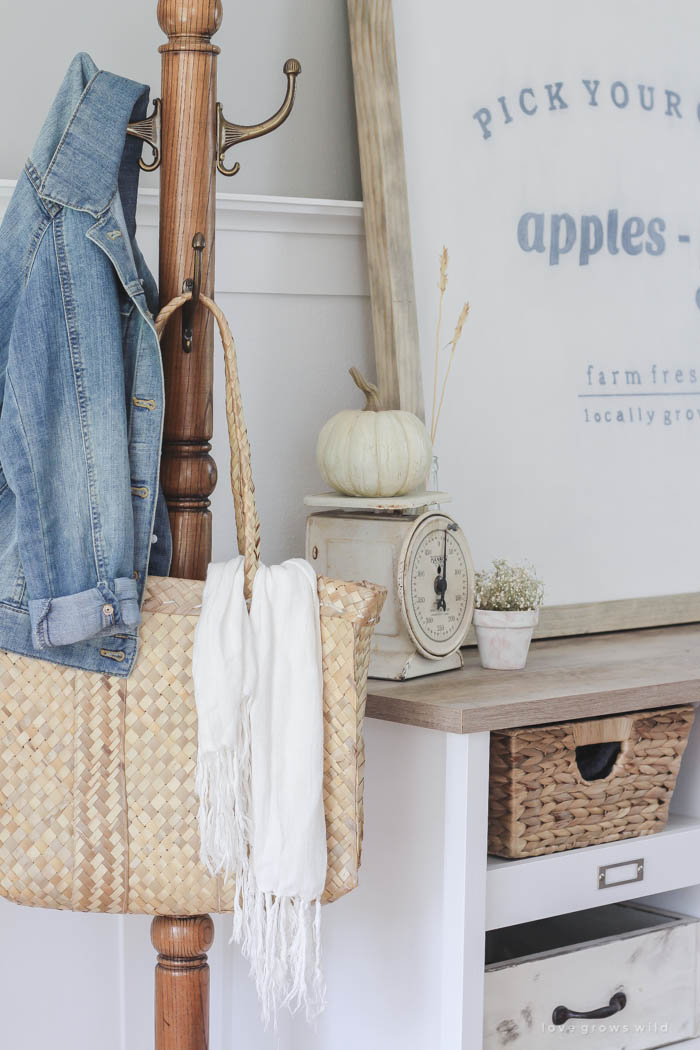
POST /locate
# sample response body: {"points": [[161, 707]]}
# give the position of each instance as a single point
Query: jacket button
{"points": [[108, 610]]}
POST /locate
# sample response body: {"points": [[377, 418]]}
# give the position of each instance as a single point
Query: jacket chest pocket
{"points": [[12, 582]]}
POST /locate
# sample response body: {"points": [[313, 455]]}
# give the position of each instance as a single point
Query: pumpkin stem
{"points": [[370, 391]]}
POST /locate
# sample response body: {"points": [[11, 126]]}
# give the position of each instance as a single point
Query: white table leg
{"points": [[464, 891]]}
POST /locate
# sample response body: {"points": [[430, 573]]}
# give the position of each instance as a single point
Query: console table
{"points": [[413, 934]]}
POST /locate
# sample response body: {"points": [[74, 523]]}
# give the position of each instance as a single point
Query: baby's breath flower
{"points": [[506, 587]]}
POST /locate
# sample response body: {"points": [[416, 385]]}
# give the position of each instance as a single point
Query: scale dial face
{"points": [[436, 585]]}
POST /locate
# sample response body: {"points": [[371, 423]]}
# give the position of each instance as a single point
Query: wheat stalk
{"points": [[464, 313], [442, 285]]}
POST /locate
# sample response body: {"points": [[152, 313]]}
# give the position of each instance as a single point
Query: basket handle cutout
{"points": [[599, 744], [603, 731], [597, 761]]}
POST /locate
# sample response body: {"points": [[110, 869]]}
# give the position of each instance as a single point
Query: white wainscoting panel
{"points": [[291, 275], [292, 278]]}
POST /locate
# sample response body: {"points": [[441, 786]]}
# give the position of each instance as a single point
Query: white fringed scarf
{"points": [[259, 691]]}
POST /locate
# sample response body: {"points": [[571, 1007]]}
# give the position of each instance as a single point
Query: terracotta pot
{"points": [[504, 637]]}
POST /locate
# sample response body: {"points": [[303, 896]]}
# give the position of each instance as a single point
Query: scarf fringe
{"points": [[284, 950], [222, 783], [279, 936]]}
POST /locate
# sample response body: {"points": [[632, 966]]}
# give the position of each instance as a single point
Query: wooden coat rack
{"points": [[189, 136]]}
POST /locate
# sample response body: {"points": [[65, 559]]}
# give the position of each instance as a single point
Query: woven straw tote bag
{"points": [[97, 773]]}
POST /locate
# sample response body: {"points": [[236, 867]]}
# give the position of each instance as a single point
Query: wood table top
{"points": [[565, 678]]}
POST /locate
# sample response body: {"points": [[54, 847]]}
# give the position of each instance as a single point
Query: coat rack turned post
{"points": [[190, 136], [188, 472], [188, 207]]}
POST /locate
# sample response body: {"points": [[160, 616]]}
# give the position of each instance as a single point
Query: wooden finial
{"points": [[189, 18]]}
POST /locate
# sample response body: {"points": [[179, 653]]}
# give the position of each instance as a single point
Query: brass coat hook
{"points": [[194, 285], [148, 130], [228, 134]]}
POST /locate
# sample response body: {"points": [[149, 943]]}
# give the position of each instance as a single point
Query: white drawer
{"points": [[522, 890], [643, 962]]}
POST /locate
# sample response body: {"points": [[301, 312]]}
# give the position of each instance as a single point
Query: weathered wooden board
{"points": [[386, 204], [625, 614], [656, 971]]}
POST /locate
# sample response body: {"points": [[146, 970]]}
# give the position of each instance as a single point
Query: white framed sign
{"points": [[555, 149]]}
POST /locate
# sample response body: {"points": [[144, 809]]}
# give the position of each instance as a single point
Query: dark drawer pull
{"points": [[618, 1002]]}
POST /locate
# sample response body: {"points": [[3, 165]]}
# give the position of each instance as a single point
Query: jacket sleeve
{"points": [[64, 442]]}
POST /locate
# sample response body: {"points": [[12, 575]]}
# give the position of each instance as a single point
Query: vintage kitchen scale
{"points": [[406, 544]]}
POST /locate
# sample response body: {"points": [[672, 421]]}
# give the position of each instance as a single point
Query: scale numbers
{"points": [[436, 582], [439, 624]]}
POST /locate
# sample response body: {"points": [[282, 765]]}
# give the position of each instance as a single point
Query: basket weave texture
{"points": [[539, 802], [98, 810]]}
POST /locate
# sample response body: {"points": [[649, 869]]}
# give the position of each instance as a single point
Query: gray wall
{"points": [[313, 155]]}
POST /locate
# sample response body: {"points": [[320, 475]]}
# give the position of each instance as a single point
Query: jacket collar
{"points": [[83, 155]]}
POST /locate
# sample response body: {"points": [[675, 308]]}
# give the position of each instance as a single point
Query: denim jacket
{"points": [[81, 388]]}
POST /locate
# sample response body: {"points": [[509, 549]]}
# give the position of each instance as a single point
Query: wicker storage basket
{"points": [[559, 787]]}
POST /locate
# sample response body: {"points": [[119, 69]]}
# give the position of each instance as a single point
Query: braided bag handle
{"points": [[247, 521]]}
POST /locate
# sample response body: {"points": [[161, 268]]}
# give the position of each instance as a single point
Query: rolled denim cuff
{"points": [[102, 610]]}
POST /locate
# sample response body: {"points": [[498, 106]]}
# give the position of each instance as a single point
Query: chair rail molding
{"points": [[276, 250]]}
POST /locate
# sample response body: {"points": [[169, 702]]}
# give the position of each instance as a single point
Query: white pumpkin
{"points": [[373, 451]]}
